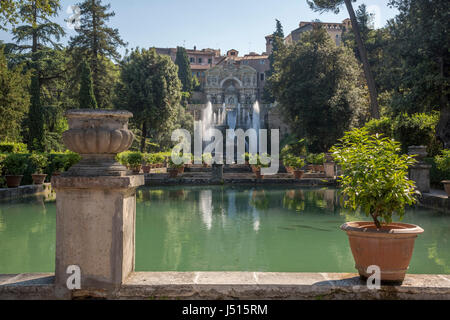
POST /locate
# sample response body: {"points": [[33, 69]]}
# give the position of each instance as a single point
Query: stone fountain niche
{"points": [[231, 92]]}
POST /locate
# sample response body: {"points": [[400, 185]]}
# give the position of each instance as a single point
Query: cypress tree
{"points": [[35, 117], [184, 69], [277, 43], [86, 96]]}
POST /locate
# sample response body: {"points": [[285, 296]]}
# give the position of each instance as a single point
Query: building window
{"points": [[192, 60], [262, 61], [200, 60], [262, 76], [209, 61], [198, 74]]}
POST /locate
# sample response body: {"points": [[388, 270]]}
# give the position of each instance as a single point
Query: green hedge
{"points": [[13, 147], [410, 130], [437, 175]]}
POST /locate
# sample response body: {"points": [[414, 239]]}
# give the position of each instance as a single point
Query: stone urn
{"points": [[98, 136], [420, 152]]}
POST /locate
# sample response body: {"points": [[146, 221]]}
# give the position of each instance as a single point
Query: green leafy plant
{"points": [[296, 162], [39, 162], [207, 158], [15, 164], [134, 159], [375, 175], [316, 159], [148, 158], [13, 147], [443, 160], [2, 159]]}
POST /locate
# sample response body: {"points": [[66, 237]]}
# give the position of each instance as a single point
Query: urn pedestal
{"points": [[96, 204]]}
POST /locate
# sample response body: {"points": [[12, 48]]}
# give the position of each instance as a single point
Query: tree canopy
{"points": [[317, 85]]}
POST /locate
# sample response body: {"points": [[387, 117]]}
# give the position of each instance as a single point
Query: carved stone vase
{"points": [[98, 136]]}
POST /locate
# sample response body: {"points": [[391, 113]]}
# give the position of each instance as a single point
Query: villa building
{"points": [[233, 84]]}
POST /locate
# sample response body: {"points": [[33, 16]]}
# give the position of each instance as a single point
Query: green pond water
{"points": [[239, 228]]}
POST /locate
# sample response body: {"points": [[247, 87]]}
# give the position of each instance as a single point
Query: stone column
{"points": [[96, 202], [329, 166], [420, 172], [217, 172]]}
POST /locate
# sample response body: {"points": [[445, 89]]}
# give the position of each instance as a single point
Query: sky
{"points": [[225, 25]]}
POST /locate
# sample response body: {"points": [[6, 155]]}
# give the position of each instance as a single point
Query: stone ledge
{"points": [[437, 200], [107, 182], [236, 285], [24, 191]]}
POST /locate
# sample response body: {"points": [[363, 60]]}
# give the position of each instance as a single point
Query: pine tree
{"points": [[86, 96], [184, 69], [96, 43]]}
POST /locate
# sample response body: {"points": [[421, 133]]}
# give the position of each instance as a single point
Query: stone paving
{"points": [[235, 285]]}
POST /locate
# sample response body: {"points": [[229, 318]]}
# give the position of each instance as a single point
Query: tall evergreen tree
{"points": [[334, 5], [184, 69], [86, 96], [14, 100], [35, 116], [32, 45], [97, 43], [277, 44]]}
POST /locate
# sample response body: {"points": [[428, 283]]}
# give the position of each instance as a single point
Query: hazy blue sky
{"points": [[240, 25]]}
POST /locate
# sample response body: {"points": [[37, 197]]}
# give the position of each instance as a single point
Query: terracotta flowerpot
{"points": [[389, 248], [298, 174], [38, 179], [13, 181], [259, 176], [173, 172], [136, 169], [56, 174], [289, 169], [319, 168], [146, 168], [180, 170], [446, 184]]}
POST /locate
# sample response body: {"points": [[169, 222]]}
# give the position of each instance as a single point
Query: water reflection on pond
{"points": [[238, 228]]}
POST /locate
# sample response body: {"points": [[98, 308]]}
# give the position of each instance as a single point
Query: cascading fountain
{"points": [[255, 125], [207, 122]]}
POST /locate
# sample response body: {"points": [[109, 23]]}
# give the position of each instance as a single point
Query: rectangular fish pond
{"points": [[224, 228]]}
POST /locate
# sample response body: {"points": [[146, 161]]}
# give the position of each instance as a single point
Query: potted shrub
{"points": [[260, 165], [159, 160], [39, 161], [246, 158], [316, 162], [149, 162], [134, 160], [253, 161], [443, 164], [287, 162], [58, 164], [175, 169], [297, 164], [207, 159], [14, 167], [375, 180]]}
